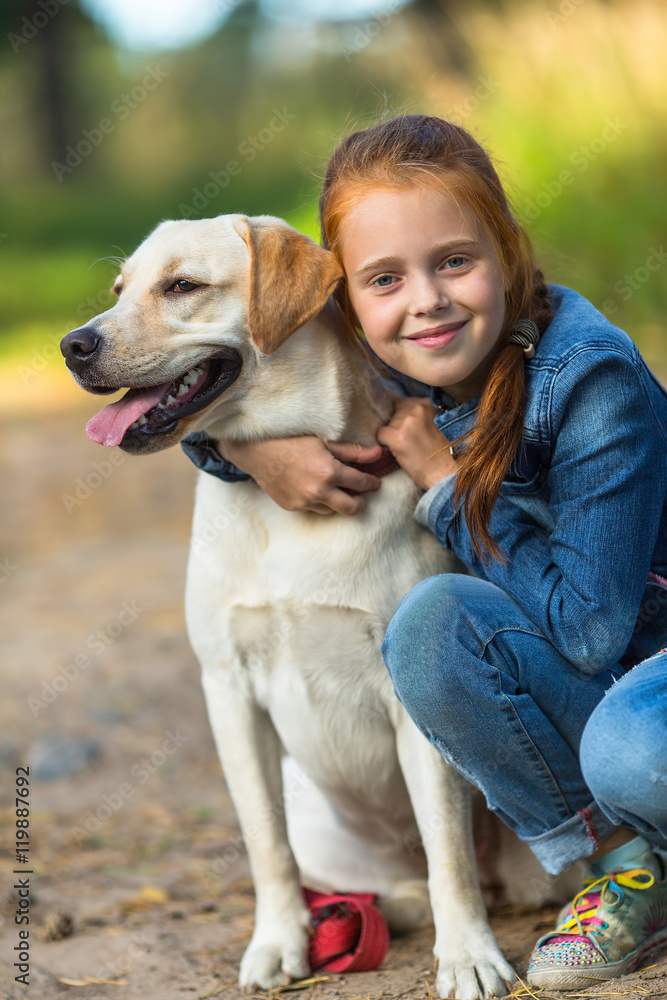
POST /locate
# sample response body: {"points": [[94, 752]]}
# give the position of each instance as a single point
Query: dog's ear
{"points": [[291, 278]]}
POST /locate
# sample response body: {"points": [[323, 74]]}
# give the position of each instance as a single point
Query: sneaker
{"points": [[612, 924]]}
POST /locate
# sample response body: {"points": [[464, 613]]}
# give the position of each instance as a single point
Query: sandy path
{"points": [[146, 898]]}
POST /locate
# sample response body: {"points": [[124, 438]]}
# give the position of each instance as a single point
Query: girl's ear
{"points": [[291, 278]]}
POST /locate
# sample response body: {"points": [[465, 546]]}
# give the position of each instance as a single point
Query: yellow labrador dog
{"points": [[226, 325]]}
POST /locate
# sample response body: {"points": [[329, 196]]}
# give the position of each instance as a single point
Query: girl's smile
{"points": [[437, 336], [425, 285]]}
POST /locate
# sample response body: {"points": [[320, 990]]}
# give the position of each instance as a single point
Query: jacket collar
{"points": [[452, 418]]}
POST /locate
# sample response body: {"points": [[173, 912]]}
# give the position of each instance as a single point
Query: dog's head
{"points": [[200, 305]]}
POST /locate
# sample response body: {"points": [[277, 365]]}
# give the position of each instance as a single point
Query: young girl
{"points": [[524, 674]]}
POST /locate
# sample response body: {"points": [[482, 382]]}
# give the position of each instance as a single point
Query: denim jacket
{"points": [[581, 518], [582, 514]]}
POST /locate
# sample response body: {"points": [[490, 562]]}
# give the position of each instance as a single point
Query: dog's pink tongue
{"points": [[109, 425]]}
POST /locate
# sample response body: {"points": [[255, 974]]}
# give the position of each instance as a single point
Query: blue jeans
{"points": [[623, 750], [506, 710]]}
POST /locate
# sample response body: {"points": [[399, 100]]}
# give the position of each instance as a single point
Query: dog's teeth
{"points": [[134, 426], [170, 399], [141, 421], [182, 389]]}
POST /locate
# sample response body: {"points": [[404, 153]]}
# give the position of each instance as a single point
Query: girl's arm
{"points": [[299, 473], [580, 574], [304, 473]]}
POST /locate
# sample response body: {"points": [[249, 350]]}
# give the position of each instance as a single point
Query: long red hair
{"points": [[422, 150]]}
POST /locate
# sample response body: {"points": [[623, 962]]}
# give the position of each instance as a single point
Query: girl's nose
{"points": [[428, 295]]}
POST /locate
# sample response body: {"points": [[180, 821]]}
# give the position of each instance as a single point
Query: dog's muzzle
{"points": [[147, 411]]}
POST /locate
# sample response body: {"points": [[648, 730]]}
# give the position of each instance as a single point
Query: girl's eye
{"points": [[383, 281], [456, 262], [183, 286]]}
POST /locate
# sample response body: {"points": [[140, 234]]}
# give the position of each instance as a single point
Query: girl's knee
{"points": [[422, 649], [623, 753]]}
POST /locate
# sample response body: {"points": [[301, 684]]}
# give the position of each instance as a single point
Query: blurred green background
{"points": [[105, 134]]}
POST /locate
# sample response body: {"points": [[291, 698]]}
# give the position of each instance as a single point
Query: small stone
{"points": [[52, 757], [57, 925]]}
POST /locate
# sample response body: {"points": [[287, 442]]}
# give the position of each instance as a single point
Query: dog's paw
{"points": [[267, 964], [486, 974]]}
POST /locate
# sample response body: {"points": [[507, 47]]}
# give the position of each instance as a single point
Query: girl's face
{"points": [[426, 286]]}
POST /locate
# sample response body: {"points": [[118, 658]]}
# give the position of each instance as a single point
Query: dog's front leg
{"points": [[250, 751], [470, 963]]}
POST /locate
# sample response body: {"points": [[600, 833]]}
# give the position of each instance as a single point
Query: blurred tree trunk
{"points": [[54, 57], [43, 41], [436, 23]]}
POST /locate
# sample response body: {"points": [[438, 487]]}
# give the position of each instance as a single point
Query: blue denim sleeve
{"points": [[434, 500], [580, 571], [200, 449]]}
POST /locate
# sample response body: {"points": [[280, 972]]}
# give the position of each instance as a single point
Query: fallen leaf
{"points": [[153, 894], [148, 897]]}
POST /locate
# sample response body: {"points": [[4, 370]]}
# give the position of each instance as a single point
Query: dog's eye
{"points": [[183, 286]]}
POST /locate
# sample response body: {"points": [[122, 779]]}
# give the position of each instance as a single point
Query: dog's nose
{"points": [[80, 344]]}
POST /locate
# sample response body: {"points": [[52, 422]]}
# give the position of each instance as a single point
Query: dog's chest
{"points": [[319, 673], [247, 550], [295, 608]]}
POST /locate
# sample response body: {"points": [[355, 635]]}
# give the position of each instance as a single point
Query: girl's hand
{"points": [[416, 443], [302, 473]]}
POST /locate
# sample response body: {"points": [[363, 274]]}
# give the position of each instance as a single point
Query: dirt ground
{"points": [[138, 875]]}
